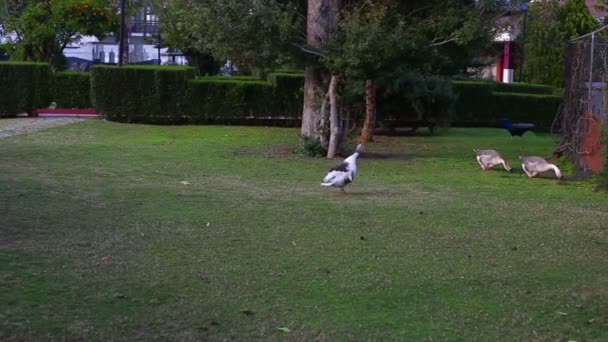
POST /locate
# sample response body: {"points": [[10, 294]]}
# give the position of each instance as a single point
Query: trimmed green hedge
{"points": [[524, 88], [71, 89], [230, 99], [220, 101], [478, 103], [141, 93], [23, 87], [288, 92], [486, 87]]}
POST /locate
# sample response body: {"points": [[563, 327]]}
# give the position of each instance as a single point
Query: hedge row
{"points": [[479, 103], [140, 93], [488, 87], [71, 89], [223, 100], [171, 94], [23, 87]]}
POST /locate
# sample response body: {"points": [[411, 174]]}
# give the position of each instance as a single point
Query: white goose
{"points": [[532, 166], [343, 174], [488, 158]]}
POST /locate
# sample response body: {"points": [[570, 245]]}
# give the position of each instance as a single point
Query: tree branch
{"points": [[309, 51]]}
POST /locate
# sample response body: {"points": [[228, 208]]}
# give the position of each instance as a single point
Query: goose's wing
{"points": [[488, 153], [341, 167], [334, 177]]}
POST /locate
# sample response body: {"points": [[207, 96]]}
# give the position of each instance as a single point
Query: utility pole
{"points": [[121, 44], [523, 42]]}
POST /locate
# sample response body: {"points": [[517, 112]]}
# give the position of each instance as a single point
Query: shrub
{"points": [[213, 100], [71, 89], [225, 99], [478, 104], [309, 147], [141, 93], [23, 87], [415, 97], [537, 109], [288, 93], [523, 88]]}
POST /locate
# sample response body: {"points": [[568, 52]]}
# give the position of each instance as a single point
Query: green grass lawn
{"points": [[101, 240]]}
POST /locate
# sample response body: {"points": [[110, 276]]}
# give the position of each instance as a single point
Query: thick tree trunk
{"points": [[367, 134], [320, 25], [313, 85], [334, 119]]}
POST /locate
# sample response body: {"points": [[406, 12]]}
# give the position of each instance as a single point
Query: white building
{"points": [[143, 44]]}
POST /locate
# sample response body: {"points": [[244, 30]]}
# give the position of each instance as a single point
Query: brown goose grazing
{"points": [[533, 165], [488, 158]]}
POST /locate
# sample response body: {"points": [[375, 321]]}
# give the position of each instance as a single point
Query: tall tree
{"points": [[552, 25], [252, 32], [377, 38], [40, 30]]}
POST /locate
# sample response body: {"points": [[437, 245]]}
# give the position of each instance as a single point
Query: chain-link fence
{"points": [[578, 123]]}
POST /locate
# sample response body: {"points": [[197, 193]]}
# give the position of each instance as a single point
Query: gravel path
{"points": [[13, 127]]}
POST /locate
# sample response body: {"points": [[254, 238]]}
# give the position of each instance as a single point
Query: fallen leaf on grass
{"points": [[294, 243], [284, 329], [561, 313], [185, 182]]}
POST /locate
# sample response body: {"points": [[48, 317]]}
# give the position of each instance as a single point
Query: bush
{"points": [[213, 100], [232, 99], [71, 89], [415, 97], [288, 93], [150, 94], [485, 87], [23, 87], [523, 88], [478, 104]]}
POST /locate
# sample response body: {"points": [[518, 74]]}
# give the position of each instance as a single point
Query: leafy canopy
{"points": [[250, 32], [39, 30], [552, 25]]}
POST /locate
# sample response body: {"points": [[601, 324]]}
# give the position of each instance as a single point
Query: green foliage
{"points": [[551, 26], [23, 87], [4, 52], [262, 37], [141, 93], [217, 100], [310, 147], [224, 99], [44, 28], [478, 103], [415, 97], [523, 88], [71, 89], [171, 95], [288, 91]]}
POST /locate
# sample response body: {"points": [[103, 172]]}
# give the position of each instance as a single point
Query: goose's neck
{"points": [[352, 157], [558, 173]]}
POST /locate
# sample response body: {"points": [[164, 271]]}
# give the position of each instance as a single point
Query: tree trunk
{"points": [[367, 134], [313, 87], [320, 25], [334, 119]]}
